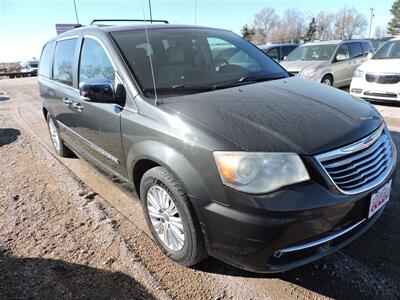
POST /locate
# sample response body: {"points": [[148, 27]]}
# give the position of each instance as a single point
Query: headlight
{"points": [[259, 172], [359, 73], [310, 73]]}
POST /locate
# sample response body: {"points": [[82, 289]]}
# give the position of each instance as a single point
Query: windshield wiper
{"points": [[191, 86], [179, 87], [246, 80]]}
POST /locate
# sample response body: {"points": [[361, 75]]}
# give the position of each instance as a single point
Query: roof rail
{"points": [[127, 20]]}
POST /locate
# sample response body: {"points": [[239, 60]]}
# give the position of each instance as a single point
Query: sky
{"points": [[25, 25]]}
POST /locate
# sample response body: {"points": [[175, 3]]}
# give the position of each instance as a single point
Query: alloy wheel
{"points": [[54, 135], [165, 218], [327, 81]]}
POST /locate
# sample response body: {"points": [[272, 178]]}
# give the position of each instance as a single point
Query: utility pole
{"points": [[195, 12], [370, 21], [151, 15], [76, 13]]}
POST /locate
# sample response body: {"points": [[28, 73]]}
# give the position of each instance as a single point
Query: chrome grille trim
{"points": [[361, 166], [324, 240]]}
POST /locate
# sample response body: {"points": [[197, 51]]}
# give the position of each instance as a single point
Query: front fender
{"points": [[173, 161], [326, 71]]}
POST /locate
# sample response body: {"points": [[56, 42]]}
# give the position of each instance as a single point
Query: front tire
{"points": [[171, 218], [56, 140], [327, 80]]}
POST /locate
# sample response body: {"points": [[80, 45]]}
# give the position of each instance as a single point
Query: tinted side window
{"points": [[63, 61], [45, 60], [287, 49], [367, 47], [94, 62], [273, 53], [355, 49]]}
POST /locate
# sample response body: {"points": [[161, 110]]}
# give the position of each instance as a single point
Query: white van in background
{"points": [[379, 78]]}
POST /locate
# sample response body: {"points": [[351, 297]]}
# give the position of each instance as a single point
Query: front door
{"points": [[342, 66], [97, 125]]}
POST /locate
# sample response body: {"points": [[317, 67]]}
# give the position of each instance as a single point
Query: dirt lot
{"points": [[67, 231]]}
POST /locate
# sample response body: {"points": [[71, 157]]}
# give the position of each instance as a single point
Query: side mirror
{"points": [[341, 57], [369, 55], [285, 58], [97, 90]]}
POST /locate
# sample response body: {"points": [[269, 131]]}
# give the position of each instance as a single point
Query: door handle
{"points": [[66, 101], [77, 106]]}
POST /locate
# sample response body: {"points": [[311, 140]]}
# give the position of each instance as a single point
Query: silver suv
{"points": [[331, 62]]}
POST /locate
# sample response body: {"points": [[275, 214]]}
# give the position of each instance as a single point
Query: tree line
{"points": [[295, 26]]}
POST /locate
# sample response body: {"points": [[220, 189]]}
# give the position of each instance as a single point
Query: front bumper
{"points": [[253, 230], [372, 91]]}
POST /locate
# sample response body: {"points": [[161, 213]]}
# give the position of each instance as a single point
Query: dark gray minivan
{"points": [[229, 154]]}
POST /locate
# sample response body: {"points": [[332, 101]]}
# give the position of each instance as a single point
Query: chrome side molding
{"points": [[90, 144]]}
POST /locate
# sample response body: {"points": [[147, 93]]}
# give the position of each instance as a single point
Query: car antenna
{"points": [[150, 52]]}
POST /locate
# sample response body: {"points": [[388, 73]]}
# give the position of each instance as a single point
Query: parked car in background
{"points": [[29, 67], [229, 154], [379, 78], [332, 62], [278, 51]]}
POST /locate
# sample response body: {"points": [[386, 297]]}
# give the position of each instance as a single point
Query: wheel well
{"points": [[141, 167], [45, 112], [328, 75]]}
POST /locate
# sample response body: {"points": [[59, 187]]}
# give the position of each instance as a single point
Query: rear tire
{"points": [[173, 216], [327, 80], [56, 140]]}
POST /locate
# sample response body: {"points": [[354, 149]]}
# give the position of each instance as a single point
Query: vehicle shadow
{"points": [[8, 136], [51, 279], [4, 98], [367, 268]]}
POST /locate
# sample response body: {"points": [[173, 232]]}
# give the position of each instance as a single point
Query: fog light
{"points": [[356, 91]]}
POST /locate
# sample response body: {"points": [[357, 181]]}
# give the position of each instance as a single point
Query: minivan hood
{"points": [[299, 65], [381, 66], [287, 115]]}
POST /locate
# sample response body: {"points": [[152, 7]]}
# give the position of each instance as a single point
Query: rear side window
{"points": [[367, 47], [355, 50], [94, 63], [45, 60], [63, 61]]}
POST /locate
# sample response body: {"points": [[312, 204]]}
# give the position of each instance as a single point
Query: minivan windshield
{"points": [[312, 52], [390, 50], [193, 60]]}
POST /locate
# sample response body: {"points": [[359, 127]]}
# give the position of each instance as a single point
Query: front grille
{"points": [[383, 79], [360, 166], [382, 95]]}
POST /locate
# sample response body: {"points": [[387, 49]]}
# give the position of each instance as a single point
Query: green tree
{"points": [[311, 31], [247, 33], [394, 24]]}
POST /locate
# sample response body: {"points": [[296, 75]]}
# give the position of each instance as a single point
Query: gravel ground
{"points": [[67, 231]]}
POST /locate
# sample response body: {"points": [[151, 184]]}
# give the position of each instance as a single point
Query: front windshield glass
{"points": [[193, 60], [390, 50], [312, 52]]}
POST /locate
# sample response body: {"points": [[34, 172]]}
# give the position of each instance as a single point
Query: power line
{"points": [[76, 13]]}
